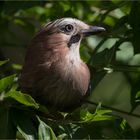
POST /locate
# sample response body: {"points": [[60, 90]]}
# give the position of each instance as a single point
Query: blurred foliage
{"points": [[116, 50]]}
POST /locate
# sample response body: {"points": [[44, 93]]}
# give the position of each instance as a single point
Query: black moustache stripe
{"points": [[74, 39]]}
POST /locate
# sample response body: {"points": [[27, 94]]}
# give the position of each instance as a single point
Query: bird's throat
{"points": [[74, 55]]}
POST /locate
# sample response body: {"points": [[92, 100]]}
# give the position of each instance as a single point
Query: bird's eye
{"points": [[68, 28]]}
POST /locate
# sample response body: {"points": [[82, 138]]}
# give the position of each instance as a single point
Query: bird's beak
{"points": [[92, 30]]}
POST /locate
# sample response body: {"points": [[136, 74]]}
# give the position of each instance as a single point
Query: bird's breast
{"points": [[74, 75], [66, 85]]}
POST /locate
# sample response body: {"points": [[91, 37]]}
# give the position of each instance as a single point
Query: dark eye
{"points": [[68, 28]]}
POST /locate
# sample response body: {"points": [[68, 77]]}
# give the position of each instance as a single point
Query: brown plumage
{"points": [[53, 72]]}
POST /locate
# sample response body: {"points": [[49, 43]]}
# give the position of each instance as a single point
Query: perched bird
{"points": [[54, 73]]}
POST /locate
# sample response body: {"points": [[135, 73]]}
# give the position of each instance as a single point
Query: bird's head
{"points": [[58, 39], [68, 31]]}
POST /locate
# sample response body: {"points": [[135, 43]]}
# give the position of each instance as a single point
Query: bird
{"points": [[53, 72]]}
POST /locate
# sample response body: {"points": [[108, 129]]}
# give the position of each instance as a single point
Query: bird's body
{"points": [[54, 73]]}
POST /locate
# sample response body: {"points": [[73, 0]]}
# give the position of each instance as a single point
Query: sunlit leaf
{"points": [[3, 62], [99, 115], [17, 66], [137, 100], [6, 82], [22, 98], [45, 132], [62, 136], [138, 94], [125, 129]]}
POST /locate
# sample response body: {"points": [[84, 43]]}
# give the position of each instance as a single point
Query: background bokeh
{"points": [[113, 57]]}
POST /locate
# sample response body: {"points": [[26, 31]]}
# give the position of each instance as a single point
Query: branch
{"points": [[114, 109]]}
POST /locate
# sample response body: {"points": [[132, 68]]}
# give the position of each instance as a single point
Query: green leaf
{"points": [[3, 62], [22, 98], [138, 94], [137, 97], [99, 115], [17, 66], [125, 130], [62, 136], [45, 131], [6, 82], [24, 124]]}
